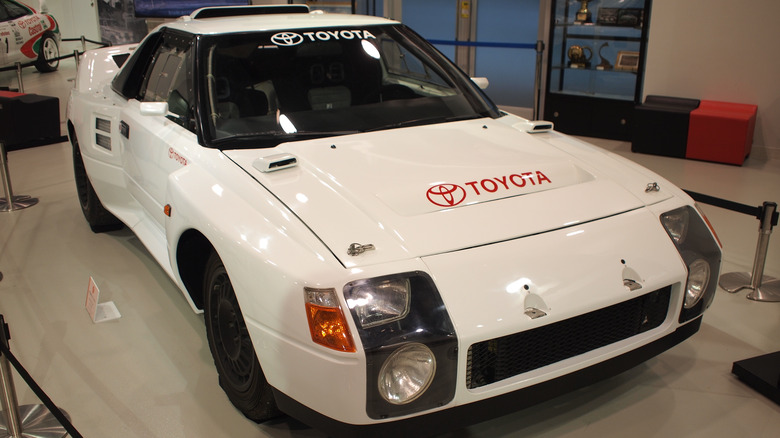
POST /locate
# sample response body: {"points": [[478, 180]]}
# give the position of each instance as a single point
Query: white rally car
{"points": [[27, 36], [376, 247]]}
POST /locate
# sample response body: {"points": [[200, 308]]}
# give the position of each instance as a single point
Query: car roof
{"points": [[266, 19]]}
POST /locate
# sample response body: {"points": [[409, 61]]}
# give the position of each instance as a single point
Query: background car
{"points": [[375, 246], [28, 36]]}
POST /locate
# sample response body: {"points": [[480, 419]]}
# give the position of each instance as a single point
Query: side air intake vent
{"points": [[103, 140]]}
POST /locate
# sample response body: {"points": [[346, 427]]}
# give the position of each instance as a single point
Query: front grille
{"points": [[500, 358]]}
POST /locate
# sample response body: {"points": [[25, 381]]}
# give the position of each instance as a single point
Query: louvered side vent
{"points": [[102, 140], [103, 125]]}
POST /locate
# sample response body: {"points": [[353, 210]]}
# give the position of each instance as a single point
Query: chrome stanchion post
{"points": [[10, 407], [11, 202], [28, 421], [19, 76], [769, 291], [764, 288], [83, 44]]}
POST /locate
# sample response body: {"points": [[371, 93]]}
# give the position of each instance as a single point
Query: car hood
{"points": [[419, 191]]}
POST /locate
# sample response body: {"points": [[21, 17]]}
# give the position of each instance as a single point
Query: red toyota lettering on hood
{"points": [[450, 195]]}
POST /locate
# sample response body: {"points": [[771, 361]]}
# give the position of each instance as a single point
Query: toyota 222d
{"points": [[376, 247]]}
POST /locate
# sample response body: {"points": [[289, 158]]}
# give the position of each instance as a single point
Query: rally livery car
{"points": [[27, 36], [375, 246]]}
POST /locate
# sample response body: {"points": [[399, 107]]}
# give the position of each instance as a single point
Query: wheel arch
{"points": [[71, 131], [192, 254]]}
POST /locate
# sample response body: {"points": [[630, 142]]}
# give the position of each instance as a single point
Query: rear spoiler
{"points": [[238, 11]]}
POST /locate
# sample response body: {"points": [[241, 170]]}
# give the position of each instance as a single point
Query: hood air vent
{"points": [[276, 162]]}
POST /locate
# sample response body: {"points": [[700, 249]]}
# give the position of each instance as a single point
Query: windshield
{"points": [[267, 87]]}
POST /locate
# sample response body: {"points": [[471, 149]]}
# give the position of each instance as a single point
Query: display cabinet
{"points": [[595, 65]]}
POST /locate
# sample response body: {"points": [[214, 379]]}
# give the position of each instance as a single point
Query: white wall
{"points": [[719, 50], [75, 17]]}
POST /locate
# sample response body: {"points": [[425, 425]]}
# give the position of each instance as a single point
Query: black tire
{"points": [[99, 219], [48, 56], [240, 375]]}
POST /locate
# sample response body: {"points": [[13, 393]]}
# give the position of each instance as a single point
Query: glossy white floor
{"points": [[150, 374]]}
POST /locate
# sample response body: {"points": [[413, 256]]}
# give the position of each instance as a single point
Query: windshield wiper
{"points": [[425, 121], [273, 138], [276, 136]]}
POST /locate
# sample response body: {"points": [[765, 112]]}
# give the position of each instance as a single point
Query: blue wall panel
{"points": [[434, 20], [510, 71]]}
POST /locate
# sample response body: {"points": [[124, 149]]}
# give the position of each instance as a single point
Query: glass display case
{"points": [[595, 65]]}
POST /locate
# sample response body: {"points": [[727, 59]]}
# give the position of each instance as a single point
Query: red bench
{"points": [[721, 132]]}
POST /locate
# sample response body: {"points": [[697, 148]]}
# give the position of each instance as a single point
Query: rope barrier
{"points": [[5, 352], [757, 212], [763, 288]]}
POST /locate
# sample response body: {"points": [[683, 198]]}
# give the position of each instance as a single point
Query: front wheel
{"points": [[240, 375], [48, 55]]}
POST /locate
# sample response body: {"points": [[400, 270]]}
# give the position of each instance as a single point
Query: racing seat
{"points": [[224, 107]]}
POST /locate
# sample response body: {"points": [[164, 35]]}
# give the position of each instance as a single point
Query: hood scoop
{"points": [[272, 163]]}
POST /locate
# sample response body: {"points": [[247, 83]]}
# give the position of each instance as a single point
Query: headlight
{"points": [[676, 223], [700, 251], [409, 342], [407, 373], [378, 301], [698, 279]]}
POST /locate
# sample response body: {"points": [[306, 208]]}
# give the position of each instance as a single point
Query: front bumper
{"points": [[463, 415]]}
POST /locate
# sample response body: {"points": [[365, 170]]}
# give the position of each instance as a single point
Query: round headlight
{"points": [[698, 279], [407, 373]]}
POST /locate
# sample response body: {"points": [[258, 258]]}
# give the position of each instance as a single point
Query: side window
{"points": [[163, 71], [15, 10], [400, 61], [169, 79]]}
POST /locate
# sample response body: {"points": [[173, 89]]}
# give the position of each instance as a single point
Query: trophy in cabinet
{"points": [[583, 15], [579, 56], [604, 64]]}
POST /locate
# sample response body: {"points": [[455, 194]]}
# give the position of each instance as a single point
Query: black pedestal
{"points": [[761, 373], [28, 120]]}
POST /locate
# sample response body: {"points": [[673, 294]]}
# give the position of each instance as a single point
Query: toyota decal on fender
{"points": [[450, 195]]}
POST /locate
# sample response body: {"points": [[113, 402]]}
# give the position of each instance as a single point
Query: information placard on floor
{"points": [[98, 311]]}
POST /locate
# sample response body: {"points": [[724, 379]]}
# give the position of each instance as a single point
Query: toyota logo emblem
{"points": [[446, 195], [287, 39]]}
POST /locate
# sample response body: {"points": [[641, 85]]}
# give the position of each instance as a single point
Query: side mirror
{"points": [[481, 82], [154, 108]]}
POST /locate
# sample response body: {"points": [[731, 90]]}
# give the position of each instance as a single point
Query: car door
{"points": [[157, 128], [11, 34]]}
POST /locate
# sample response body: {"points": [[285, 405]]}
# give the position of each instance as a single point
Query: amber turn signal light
{"points": [[327, 324]]}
